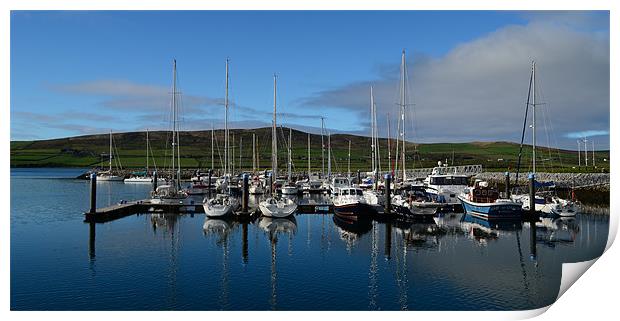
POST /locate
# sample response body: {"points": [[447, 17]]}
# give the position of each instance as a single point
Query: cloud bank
{"points": [[478, 90]]}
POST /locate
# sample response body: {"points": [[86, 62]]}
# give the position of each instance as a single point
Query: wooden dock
{"points": [[120, 210], [124, 209]]}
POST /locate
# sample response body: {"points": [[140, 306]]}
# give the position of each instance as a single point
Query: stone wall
{"points": [[563, 180]]}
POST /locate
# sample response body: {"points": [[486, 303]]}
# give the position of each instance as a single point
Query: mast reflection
{"points": [[274, 227]]}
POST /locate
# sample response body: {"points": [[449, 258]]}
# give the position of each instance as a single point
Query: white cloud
{"points": [[477, 91]]}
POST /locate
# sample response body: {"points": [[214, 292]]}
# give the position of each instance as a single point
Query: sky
{"points": [[85, 72]]}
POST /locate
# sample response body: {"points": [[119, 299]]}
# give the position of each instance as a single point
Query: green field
{"points": [[92, 150]]}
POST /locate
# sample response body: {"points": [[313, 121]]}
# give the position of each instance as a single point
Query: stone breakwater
{"points": [[562, 180]]}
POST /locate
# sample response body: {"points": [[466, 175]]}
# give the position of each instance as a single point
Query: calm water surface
{"points": [[311, 262]]}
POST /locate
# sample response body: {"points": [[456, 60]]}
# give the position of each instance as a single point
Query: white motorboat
{"points": [[444, 186], [337, 184], [220, 205], [350, 202]]}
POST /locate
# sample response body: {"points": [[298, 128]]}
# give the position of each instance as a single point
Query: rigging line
{"points": [[527, 105]]}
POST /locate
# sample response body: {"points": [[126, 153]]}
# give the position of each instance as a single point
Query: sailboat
{"points": [[144, 177], [108, 176], [290, 188], [373, 198], [223, 204], [274, 206], [545, 202], [171, 193], [256, 186]]}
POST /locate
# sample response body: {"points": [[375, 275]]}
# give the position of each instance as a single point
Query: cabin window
{"points": [[359, 192], [345, 192]]}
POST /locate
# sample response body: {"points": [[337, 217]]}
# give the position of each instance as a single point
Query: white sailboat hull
{"points": [[277, 208], [143, 180], [109, 178], [289, 190]]}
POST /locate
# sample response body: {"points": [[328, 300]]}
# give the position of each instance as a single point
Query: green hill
{"points": [[91, 151]]}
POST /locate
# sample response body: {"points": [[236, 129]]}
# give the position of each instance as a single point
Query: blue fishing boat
{"points": [[483, 201]]}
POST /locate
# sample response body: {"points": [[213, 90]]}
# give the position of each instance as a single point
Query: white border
{"points": [[592, 297]]}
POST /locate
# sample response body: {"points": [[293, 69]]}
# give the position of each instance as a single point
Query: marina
{"points": [[186, 261], [291, 160]]}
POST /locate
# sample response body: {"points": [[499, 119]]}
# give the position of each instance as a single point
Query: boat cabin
{"points": [[351, 191], [482, 193]]}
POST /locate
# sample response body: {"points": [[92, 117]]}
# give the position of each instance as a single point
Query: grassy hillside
{"points": [[90, 150]]}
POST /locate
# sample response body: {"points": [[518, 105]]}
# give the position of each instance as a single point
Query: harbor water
{"points": [[310, 262]]}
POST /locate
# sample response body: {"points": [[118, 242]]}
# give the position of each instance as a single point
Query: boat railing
{"points": [[468, 170]]}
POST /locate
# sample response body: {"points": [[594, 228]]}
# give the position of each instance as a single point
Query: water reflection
{"points": [[402, 240], [420, 235], [484, 231], [554, 231], [274, 227]]}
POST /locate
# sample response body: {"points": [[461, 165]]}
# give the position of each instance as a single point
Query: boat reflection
{"points": [[166, 222], [483, 231], [554, 231], [220, 227], [420, 235], [274, 227]]}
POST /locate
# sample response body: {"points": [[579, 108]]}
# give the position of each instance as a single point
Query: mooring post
{"points": [[507, 184], [154, 181], [387, 251], [244, 246], [93, 193], [359, 178], [209, 183], [532, 179], [388, 192], [245, 195]]}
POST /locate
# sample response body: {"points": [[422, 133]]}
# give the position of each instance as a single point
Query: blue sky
{"points": [[75, 73]]}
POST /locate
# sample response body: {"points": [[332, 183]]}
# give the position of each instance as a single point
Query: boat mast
{"points": [[403, 102], [322, 148], [290, 151], [585, 149], [232, 155], [527, 106], [579, 151], [534, 117], [329, 155], [212, 140], [226, 143], [376, 143], [274, 142], [253, 153], [110, 154], [308, 155], [174, 115], [372, 132], [389, 136], [147, 152], [240, 152], [349, 163]]}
